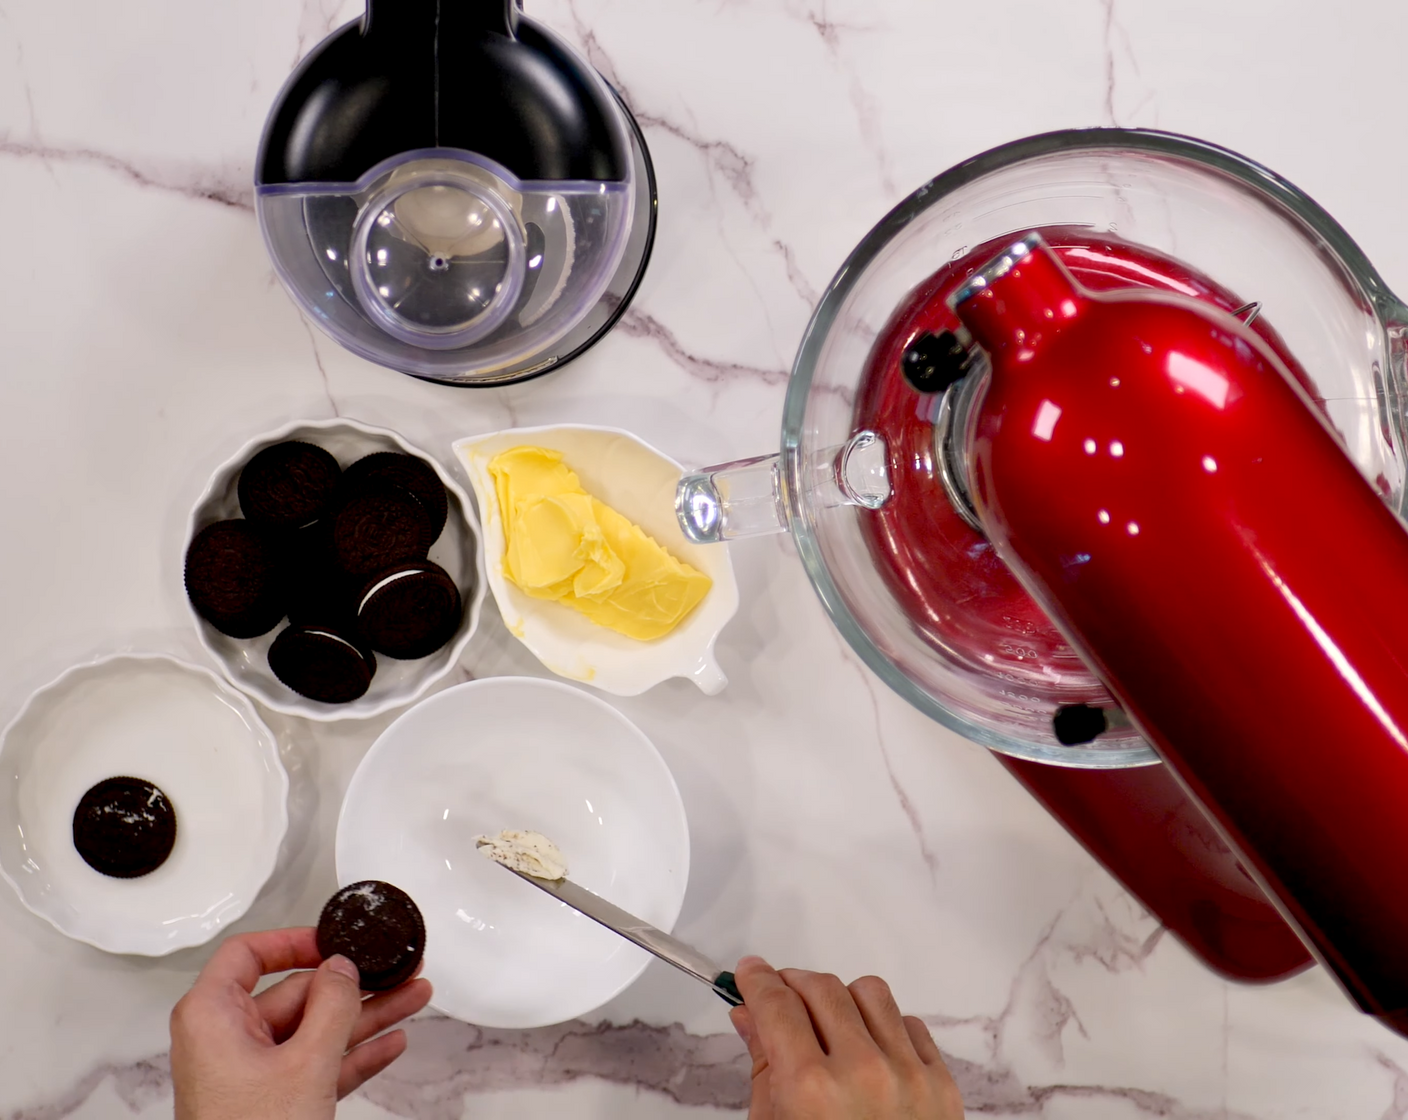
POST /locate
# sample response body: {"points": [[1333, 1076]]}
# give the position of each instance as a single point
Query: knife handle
{"points": [[727, 989]]}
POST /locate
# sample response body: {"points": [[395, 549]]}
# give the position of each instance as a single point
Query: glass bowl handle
{"points": [[744, 498], [731, 500]]}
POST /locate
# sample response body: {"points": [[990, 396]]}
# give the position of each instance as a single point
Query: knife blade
{"points": [[669, 949]]}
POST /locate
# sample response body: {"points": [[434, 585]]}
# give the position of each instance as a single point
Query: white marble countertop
{"points": [[145, 337]]}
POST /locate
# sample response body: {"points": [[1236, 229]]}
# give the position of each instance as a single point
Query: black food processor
{"points": [[448, 189]]}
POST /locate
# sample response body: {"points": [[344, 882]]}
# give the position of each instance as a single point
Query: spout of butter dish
{"points": [[707, 675]]}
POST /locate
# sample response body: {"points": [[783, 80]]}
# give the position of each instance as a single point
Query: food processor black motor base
{"points": [[448, 189]]}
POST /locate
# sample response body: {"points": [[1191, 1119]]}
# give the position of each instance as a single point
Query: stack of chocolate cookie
{"points": [[341, 554]]}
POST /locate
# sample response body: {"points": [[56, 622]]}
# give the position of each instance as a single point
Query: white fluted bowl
{"points": [[245, 661], [178, 726]]}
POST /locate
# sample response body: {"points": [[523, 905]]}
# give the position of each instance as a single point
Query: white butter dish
{"points": [[639, 483]]}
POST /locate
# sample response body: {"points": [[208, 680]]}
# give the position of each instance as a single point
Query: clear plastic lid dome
{"points": [[440, 262]]}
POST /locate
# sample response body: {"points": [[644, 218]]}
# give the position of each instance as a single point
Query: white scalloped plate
{"points": [[179, 726], [638, 482], [245, 661]]}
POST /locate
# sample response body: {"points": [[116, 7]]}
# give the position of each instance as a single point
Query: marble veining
{"points": [[1126, 108], [137, 1084], [911, 814], [449, 1062], [1398, 1107], [317, 20], [636, 323], [208, 185], [313, 336], [454, 1060], [146, 337], [723, 158]]}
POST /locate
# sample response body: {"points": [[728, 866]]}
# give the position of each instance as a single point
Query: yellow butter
{"points": [[564, 545]]}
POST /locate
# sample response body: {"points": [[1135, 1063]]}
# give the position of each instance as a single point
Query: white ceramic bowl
{"points": [[147, 716], [518, 752], [638, 482], [245, 661]]}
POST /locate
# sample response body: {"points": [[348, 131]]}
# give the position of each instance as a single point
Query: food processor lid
{"points": [[467, 75]]}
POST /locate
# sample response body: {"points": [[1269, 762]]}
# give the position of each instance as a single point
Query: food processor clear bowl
{"points": [[1224, 216], [442, 264]]}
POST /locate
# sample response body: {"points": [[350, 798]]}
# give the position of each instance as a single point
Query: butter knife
{"points": [[669, 949]]}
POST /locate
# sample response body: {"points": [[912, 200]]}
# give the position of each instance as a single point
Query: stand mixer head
{"points": [[1146, 465]]}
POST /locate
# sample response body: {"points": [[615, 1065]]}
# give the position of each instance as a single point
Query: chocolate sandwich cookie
{"points": [[408, 471], [321, 664], [233, 578], [124, 827], [378, 527], [318, 591], [288, 485], [378, 928], [410, 611]]}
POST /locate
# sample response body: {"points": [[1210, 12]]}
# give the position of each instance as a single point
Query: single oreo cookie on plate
{"points": [[124, 827], [288, 485], [378, 527], [378, 928], [233, 578], [408, 471], [410, 611], [321, 664]]}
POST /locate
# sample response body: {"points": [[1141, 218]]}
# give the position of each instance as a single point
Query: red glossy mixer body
{"points": [[1139, 823], [1150, 835], [1170, 495]]}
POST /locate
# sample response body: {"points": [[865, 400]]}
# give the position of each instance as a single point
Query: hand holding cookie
{"points": [[292, 1051]]}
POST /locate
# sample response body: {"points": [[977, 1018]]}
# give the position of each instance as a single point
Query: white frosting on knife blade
{"points": [[531, 853]]}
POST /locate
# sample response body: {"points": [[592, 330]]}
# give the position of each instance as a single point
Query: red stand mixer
{"points": [[1163, 527], [1061, 483]]}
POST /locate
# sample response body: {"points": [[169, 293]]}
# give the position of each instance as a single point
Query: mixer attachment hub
{"points": [[933, 362]]}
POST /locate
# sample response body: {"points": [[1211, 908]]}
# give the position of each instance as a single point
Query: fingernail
{"points": [[343, 967], [752, 961], [743, 1024]]}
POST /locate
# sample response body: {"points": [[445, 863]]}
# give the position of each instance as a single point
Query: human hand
{"points": [[292, 1051], [825, 1051]]}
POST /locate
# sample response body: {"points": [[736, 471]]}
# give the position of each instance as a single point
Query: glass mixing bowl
{"points": [[1254, 237]]}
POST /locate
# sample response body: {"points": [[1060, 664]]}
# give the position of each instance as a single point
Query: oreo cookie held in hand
{"points": [[410, 611], [321, 664], [407, 471], [378, 928], [288, 485], [379, 527], [124, 828], [233, 578]]}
